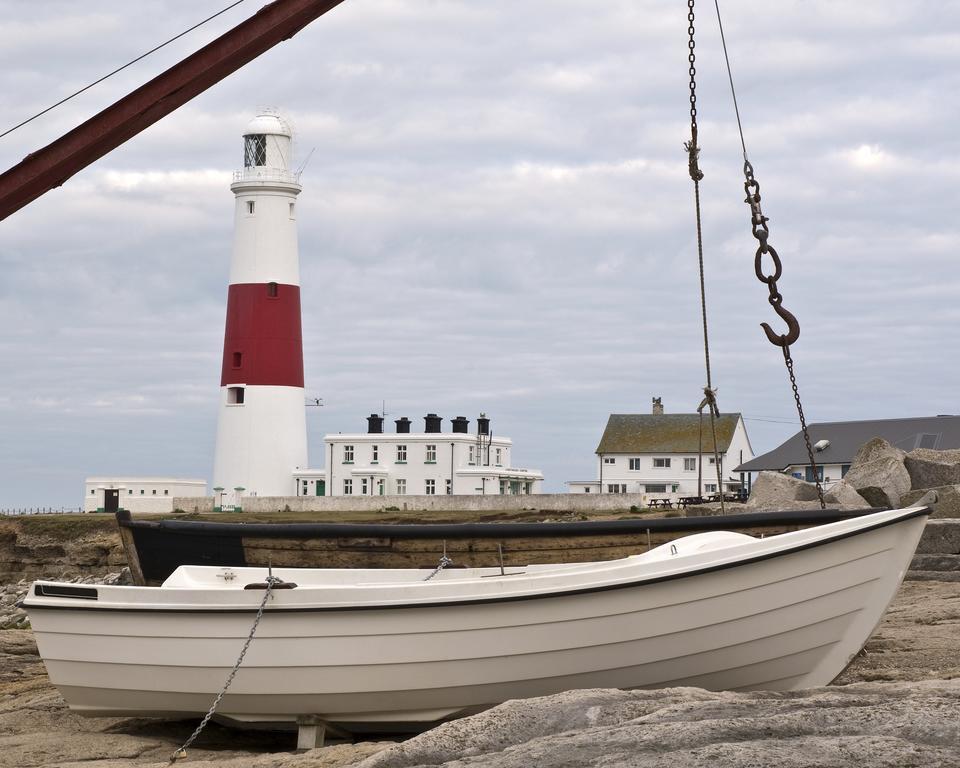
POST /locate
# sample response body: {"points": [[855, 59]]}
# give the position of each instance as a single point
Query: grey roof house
{"points": [[837, 442]]}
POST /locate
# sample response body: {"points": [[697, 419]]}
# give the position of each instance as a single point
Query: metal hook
{"points": [[793, 327]]}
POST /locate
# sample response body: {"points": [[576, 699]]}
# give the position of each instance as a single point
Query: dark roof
{"points": [[664, 433], [846, 437]]}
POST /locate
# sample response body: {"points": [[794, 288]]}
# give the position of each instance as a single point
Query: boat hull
{"points": [[782, 619]]}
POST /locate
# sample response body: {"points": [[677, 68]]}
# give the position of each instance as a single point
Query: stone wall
{"points": [[551, 502]]}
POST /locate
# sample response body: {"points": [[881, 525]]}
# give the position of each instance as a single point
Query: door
{"points": [[111, 500], [321, 487]]}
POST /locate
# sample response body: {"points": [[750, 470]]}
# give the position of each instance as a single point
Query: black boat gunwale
{"points": [[913, 513], [493, 530]]}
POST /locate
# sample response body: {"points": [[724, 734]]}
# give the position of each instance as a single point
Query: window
{"points": [[254, 150], [587, 489], [690, 465], [928, 441], [616, 488], [129, 492], [499, 456], [449, 487], [844, 468], [402, 487], [710, 487], [401, 454], [657, 488], [661, 463], [503, 487], [291, 210], [713, 460], [141, 491], [808, 471], [237, 359], [234, 395], [634, 464], [348, 454], [154, 491], [375, 452], [251, 207], [609, 460], [363, 487], [93, 493], [431, 454], [470, 456], [272, 290], [348, 487], [166, 492], [431, 488]]}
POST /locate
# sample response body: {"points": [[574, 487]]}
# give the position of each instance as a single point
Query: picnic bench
{"points": [[660, 503]]}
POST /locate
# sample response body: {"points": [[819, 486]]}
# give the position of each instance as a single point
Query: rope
{"points": [[693, 155], [182, 752]]}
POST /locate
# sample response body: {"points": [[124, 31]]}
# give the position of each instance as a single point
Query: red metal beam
{"points": [[51, 166]]}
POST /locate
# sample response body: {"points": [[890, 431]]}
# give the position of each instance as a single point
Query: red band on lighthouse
{"points": [[263, 344]]}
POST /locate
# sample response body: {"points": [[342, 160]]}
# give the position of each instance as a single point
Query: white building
{"points": [[138, 494], [431, 462], [261, 429], [656, 455]]}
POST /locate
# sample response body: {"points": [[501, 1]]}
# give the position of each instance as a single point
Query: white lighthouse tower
{"points": [[261, 430]]}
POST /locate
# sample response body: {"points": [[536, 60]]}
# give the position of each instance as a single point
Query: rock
{"points": [[845, 496], [881, 481], [776, 490], [877, 448], [875, 724], [931, 469], [940, 537], [947, 505]]}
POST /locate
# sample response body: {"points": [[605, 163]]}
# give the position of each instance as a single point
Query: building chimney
{"points": [[374, 424], [483, 425], [657, 407], [460, 425], [403, 426], [432, 423]]}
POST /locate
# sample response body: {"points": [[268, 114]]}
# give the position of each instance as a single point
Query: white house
{"points": [[657, 455], [138, 494], [431, 462]]}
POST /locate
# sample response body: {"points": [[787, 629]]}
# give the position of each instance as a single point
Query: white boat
{"points": [[377, 648]]}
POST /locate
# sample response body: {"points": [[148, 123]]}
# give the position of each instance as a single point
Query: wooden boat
{"points": [[156, 548], [377, 648]]}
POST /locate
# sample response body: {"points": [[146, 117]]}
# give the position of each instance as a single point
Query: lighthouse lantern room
{"points": [[261, 429]]}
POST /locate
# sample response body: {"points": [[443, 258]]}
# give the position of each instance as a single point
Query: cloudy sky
{"points": [[496, 217]]}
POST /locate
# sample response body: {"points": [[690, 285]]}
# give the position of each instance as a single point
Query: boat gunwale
{"points": [[909, 514], [491, 530]]}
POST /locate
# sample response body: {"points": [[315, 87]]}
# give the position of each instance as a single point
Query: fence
{"points": [[41, 511]]}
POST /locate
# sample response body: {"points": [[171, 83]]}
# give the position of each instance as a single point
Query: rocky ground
{"points": [[895, 706]]}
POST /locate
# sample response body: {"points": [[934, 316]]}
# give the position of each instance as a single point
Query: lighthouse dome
{"points": [[269, 124]]}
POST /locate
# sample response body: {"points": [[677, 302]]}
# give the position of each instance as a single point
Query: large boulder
{"points": [[932, 469], [877, 448], [878, 473], [775, 489], [946, 506], [845, 496]]}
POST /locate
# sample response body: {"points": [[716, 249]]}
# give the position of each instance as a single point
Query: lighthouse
{"points": [[261, 428]]}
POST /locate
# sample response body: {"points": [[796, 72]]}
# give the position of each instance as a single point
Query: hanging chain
{"points": [[696, 175], [760, 230], [181, 753]]}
